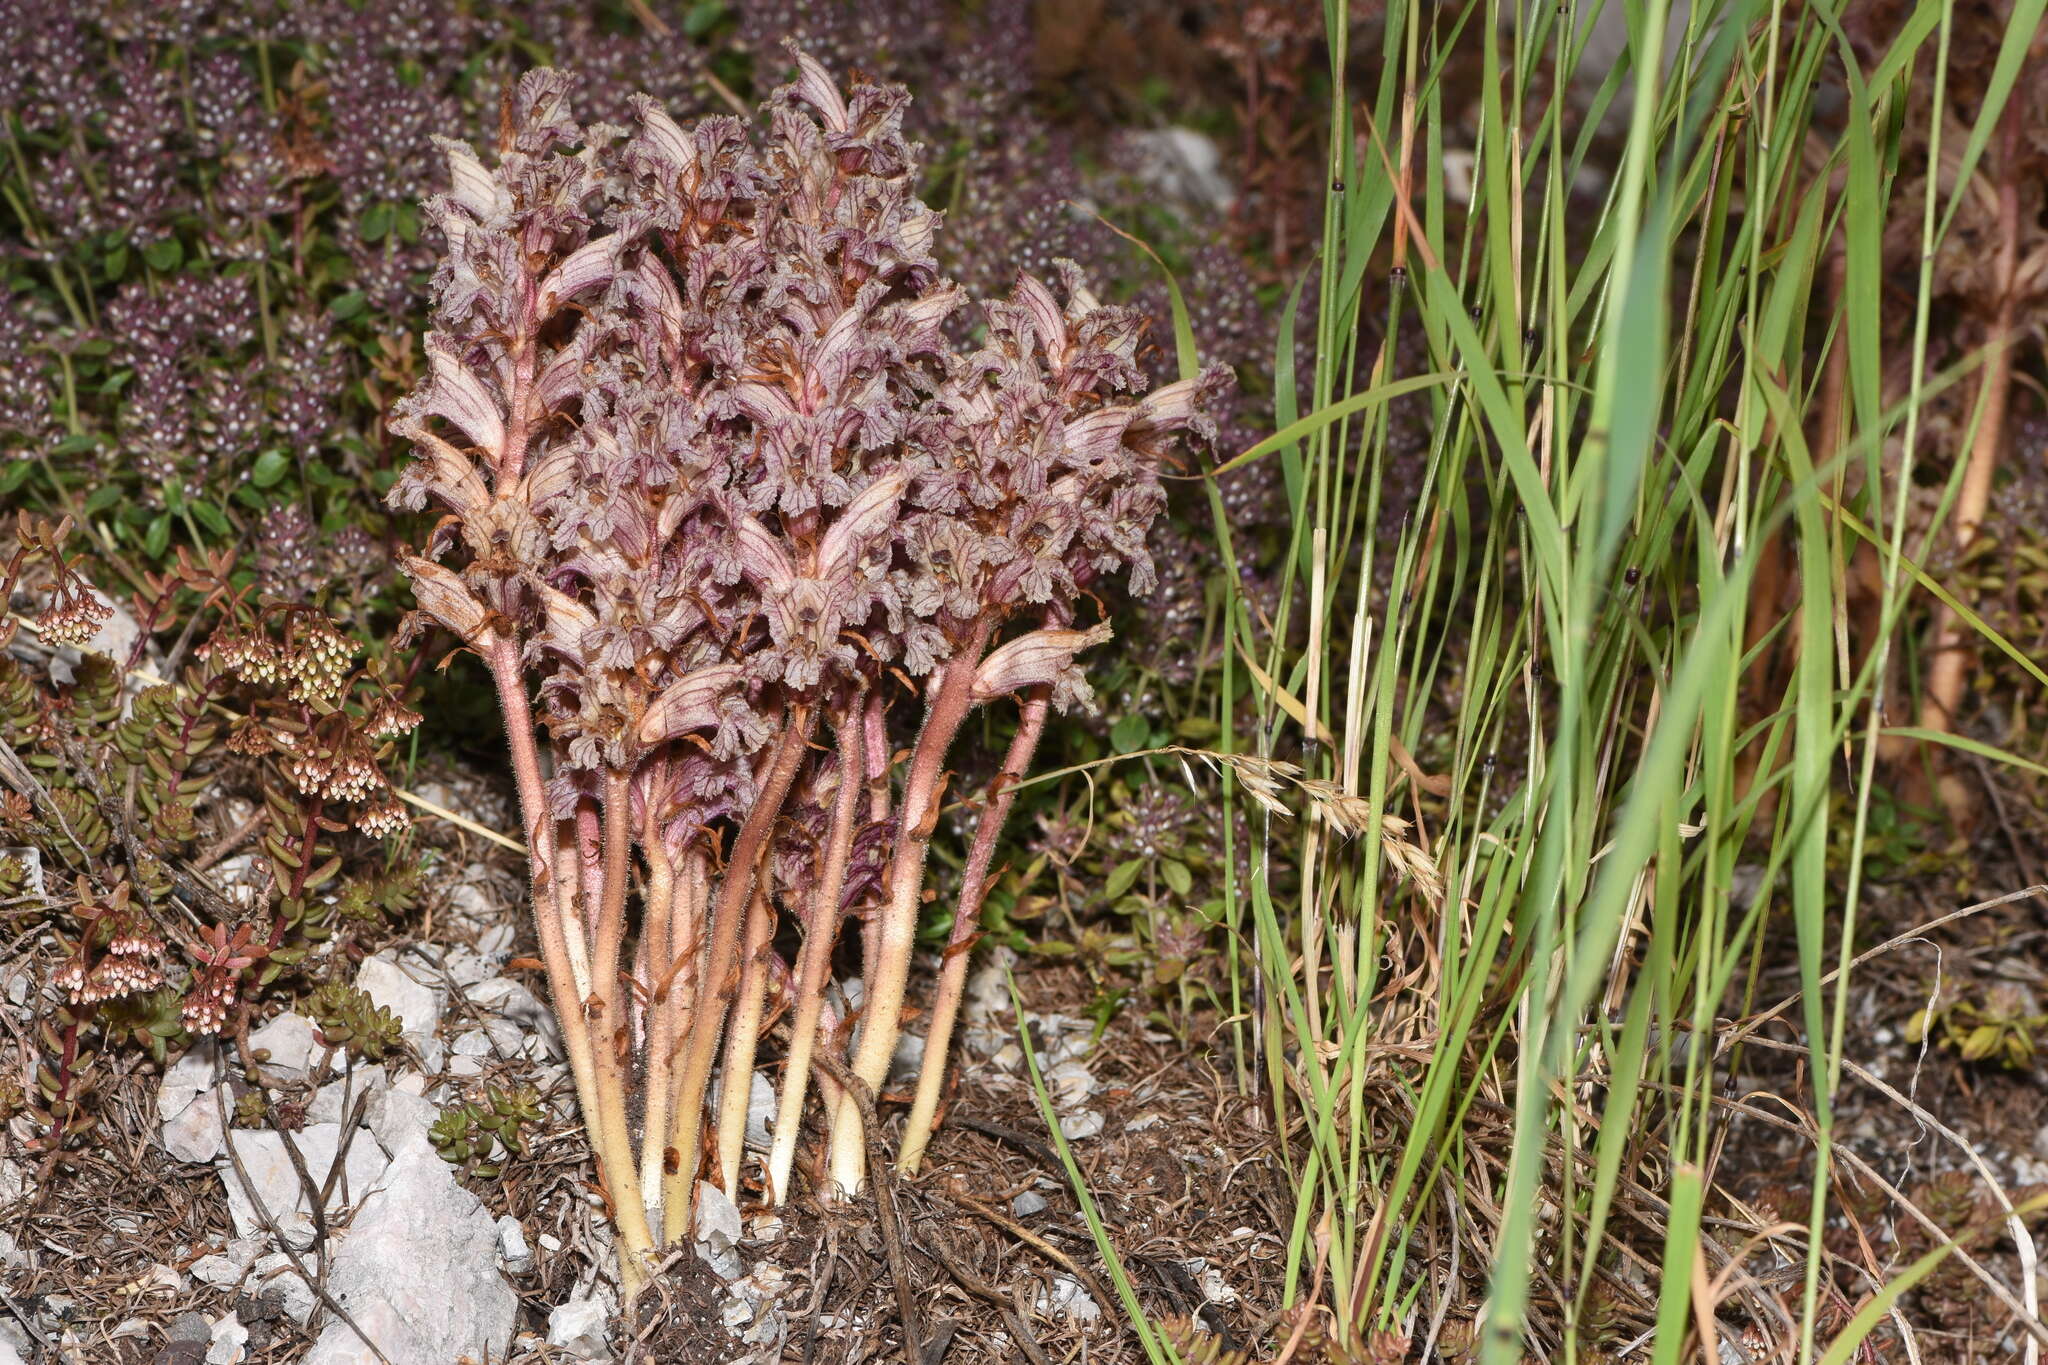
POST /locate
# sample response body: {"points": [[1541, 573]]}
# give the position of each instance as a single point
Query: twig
{"points": [[2030, 1313], [942, 1338], [229, 842], [824, 1286], [883, 1177], [1757, 1021], [271, 1226], [1036, 1243], [441, 812], [1024, 1142]]}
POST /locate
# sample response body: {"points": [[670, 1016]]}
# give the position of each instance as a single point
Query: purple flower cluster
{"points": [[186, 337], [25, 387], [718, 477], [773, 453]]}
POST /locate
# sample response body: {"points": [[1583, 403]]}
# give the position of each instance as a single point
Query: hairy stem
{"points": [[814, 964], [567, 894], [607, 1128], [896, 935], [736, 1088], [655, 936], [722, 942], [608, 1027], [966, 925], [875, 734], [589, 829]]}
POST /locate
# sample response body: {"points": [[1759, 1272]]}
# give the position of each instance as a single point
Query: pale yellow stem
{"points": [[735, 1092]]}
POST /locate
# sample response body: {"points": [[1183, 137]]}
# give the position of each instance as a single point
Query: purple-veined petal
{"points": [[763, 402], [1096, 435], [866, 517], [442, 595], [663, 133], [450, 473], [455, 392], [816, 88], [1045, 315], [760, 554], [471, 185], [552, 475], [565, 373], [1185, 403], [929, 310], [590, 265], [567, 620], [691, 703], [1033, 659]]}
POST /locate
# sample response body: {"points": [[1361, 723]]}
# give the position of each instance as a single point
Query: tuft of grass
{"points": [[1657, 373]]}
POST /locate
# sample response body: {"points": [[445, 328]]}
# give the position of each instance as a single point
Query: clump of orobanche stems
{"points": [[727, 514]]}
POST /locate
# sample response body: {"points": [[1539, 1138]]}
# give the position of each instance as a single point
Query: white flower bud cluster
{"points": [[72, 619], [206, 1009], [383, 817]]}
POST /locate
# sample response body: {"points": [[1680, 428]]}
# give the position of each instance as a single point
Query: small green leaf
{"points": [[1123, 877], [158, 538], [1177, 876], [212, 518], [375, 223], [166, 255], [270, 466], [71, 445], [1129, 733], [14, 474], [703, 17], [174, 497], [117, 262], [101, 498], [348, 305]]}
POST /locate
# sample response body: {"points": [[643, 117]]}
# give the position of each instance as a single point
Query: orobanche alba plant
{"points": [[728, 517]]}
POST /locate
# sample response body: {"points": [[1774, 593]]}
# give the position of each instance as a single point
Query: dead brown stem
{"points": [[1948, 636]]}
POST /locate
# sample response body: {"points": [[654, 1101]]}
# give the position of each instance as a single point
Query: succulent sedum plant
{"points": [[726, 513]]}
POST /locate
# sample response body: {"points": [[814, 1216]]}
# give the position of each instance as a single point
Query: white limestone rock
{"points": [[275, 1276], [512, 1247], [418, 1267], [292, 1046], [581, 1327], [416, 1002], [718, 1232], [271, 1173], [185, 1104]]}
